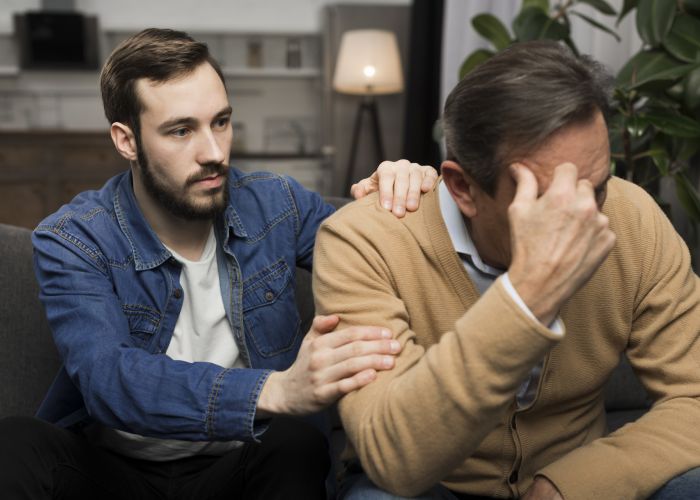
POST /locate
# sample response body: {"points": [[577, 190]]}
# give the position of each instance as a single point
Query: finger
{"points": [[337, 338], [401, 184], [526, 183], [323, 324], [360, 348], [350, 367], [565, 177], [358, 190], [357, 381], [331, 392], [415, 183], [387, 176], [430, 177]]}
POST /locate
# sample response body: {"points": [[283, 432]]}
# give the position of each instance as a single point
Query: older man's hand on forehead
{"points": [[558, 239]]}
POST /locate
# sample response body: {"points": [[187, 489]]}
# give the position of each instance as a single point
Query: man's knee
{"points": [[18, 433], [290, 439]]}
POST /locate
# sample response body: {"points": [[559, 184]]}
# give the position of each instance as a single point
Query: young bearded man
{"points": [[532, 271], [170, 293]]}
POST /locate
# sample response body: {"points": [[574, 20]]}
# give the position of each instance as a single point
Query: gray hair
{"points": [[512, 103]]}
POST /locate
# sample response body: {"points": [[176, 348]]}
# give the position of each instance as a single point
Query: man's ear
{"points": [[461, 186], [124, 140]]}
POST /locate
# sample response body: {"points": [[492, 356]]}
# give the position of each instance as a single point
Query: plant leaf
{"points": [[650, 66], [543, 5], [688, 196], [595, 23], [636, 125], [691, 90], [654, 20], [473, 60], [553, 30], [491, 28], [673, 124], [600, 6], [670, 74], [683, 41], [533, 24], [627, 7]]}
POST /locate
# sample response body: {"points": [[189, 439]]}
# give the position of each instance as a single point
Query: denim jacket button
{"points": [[269, 295], [177, 293]]}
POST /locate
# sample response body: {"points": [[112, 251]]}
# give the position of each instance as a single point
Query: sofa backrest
{"points": [[28, 358], [29, 361]]}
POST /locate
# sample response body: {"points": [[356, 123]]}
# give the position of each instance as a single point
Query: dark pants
{"points": [[41, 461]]}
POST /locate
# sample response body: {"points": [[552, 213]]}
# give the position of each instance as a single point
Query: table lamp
{"points": [[368, 65]]}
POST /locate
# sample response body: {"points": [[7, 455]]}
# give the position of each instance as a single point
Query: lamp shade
{"points": [[368, 63]]}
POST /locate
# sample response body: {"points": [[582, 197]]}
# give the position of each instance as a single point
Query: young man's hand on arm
{"points": [[400, 185], [329, 365]]}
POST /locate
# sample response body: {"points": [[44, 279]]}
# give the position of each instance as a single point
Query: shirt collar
{"points": [[459, 233], [148, 250]]}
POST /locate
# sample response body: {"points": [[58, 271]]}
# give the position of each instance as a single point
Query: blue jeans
{"points": [[685, 486], [358, 487]]}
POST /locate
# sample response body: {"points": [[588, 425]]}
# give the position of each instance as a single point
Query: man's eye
{"points": [[180, 132], [222, 122]]}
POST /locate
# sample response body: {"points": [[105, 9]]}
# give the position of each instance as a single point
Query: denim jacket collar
{"points": [[148, 250]]}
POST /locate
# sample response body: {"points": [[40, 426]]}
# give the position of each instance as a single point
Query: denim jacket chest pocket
{"points": [[143, 323], [269, 310]]}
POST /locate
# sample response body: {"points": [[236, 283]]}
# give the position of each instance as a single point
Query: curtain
{"points": [[423, 104]]}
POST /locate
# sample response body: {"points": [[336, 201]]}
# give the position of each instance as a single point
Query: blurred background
{"points": [[298, 107]]}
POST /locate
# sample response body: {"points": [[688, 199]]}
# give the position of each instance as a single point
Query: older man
{"points": [[514, 290]]}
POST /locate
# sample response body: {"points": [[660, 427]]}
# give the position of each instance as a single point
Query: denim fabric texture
{"points": [[112, 297]]}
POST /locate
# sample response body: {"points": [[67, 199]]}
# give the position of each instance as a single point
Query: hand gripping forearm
{"points": [[329, 365]]}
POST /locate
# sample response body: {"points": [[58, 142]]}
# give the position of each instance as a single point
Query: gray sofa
{"points": [[28, 359]]}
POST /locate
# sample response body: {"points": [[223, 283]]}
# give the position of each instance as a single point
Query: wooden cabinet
{"points": [[42, 170]]}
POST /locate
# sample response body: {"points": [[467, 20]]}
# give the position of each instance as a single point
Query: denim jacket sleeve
{"points": [[311, 212], [125, 386]]}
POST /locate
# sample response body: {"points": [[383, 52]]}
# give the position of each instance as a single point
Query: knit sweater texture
{"points": [[446, 412]]}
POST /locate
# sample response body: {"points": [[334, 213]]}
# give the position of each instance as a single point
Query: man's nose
{"points": [[210, 151]]}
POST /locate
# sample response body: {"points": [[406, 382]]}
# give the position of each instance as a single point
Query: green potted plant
{"points": [[655, 129]]}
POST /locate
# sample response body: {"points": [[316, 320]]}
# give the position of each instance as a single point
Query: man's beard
{"points": [[177, 202]]}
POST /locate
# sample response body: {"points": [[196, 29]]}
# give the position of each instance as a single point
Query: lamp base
{"points": [[368, 106]]}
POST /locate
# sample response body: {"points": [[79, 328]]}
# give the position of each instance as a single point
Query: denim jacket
{"points": [[112, 297]]}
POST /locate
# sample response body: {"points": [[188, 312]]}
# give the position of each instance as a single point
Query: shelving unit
{"points": [[52, 121]]}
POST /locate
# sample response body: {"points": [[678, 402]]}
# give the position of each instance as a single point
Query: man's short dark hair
{"points": [[510, 104], [156, 54]]}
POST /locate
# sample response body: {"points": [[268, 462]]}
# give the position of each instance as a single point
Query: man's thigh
{"points": [[291, 461], [357, 486], [40, 460], [686, 485]]}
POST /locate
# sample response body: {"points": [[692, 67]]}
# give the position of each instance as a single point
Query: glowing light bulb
{"points": [[369, 71]]}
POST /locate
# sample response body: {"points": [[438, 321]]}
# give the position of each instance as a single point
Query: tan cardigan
{"points": [[446, 413]]}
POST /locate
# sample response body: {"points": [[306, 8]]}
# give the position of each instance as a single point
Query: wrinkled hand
{"points": [[558, 240], [329, 365], [400, 184], [542, 489]]}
